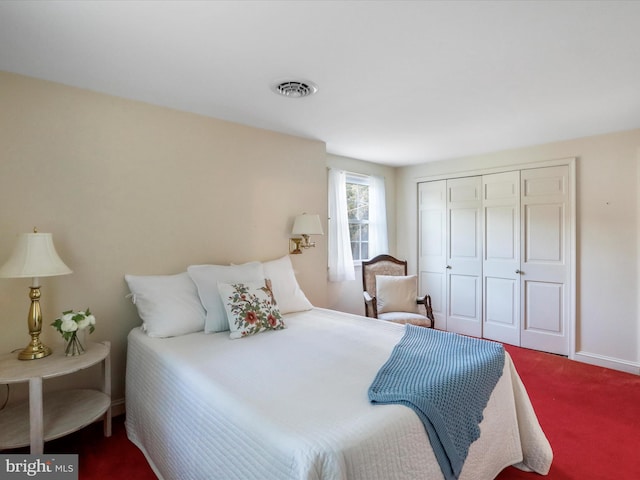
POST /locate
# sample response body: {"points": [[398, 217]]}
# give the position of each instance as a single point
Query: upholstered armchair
{"points": [[390, 294]]}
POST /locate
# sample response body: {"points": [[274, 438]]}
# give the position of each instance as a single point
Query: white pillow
{"points": [[250, 308], [206, 278], [396, 293], [287, 292], [167, 304]]}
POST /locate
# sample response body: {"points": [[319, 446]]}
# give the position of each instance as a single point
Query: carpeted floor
{"points": [[591, 416], [102, 458]]}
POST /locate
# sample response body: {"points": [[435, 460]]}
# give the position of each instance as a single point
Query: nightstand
{"points": [[59, 413]]}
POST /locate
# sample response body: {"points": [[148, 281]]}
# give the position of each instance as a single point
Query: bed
{"points": [[233, 374], [292, 404]]}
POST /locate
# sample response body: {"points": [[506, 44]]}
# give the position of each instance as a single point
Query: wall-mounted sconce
{"points": [[304, 225]]}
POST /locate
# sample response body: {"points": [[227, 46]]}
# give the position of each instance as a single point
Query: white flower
{"points": [[68, 324], [84, 323]]}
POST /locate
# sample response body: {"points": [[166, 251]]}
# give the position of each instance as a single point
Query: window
{"points": [[358, 216], [357, 221]]}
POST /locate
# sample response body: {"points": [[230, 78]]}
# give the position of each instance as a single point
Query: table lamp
{"points": [[34, 256]]}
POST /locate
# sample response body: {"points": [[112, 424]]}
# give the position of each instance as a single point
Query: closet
{"points": [[495, 254]]}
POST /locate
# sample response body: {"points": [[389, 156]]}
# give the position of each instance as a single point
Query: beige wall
{"points": [[347, 296], [607, 184], [127, 187]]}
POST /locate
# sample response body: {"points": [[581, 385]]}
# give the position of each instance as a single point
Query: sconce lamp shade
{"points": [[34, 256], [307, 225]]}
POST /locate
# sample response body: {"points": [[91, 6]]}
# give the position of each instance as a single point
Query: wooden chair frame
{"points": [[370, 304]]}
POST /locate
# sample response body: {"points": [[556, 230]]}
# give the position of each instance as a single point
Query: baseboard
{"points": [[608, 362], [117, 407]]}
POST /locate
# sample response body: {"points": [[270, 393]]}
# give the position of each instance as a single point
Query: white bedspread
{"points": [[292, 404]]}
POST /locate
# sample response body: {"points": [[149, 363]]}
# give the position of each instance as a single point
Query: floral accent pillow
{"points": [[250, 308]]}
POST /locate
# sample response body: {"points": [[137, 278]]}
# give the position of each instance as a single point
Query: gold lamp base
{"points": [[33, 352], [36, 349], [294, 246]]}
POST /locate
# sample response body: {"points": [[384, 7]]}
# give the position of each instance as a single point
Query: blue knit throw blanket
{"points": [[447, 380]]}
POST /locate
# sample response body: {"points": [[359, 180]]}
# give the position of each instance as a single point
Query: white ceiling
{"points": [[399, 83]]}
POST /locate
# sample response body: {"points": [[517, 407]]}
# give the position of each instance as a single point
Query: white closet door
{"points": [[546, 269], [501, 263], [432, 245], [464, 256]]}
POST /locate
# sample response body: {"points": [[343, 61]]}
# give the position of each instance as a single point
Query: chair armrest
{"points": [[426, 301], [370, 305]]}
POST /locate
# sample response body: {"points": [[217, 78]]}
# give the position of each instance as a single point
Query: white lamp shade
{"points": [[307, 225], [34, 256]]}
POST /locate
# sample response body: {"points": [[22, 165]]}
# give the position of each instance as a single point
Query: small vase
{"points": [[74, 347]]}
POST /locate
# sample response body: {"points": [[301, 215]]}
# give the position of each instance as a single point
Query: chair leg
{"points": [[427, 305]]}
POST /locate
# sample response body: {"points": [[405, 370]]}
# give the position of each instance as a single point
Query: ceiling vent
{"points": [[295, 88]]}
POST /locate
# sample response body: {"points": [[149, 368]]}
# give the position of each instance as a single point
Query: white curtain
{"points": [[378, 239], [340, 258]]}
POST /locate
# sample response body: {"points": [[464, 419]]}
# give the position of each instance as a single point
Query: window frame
{"points": [[358, 179]]}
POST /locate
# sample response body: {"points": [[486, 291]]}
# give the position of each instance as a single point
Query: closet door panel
{"points": [[544, 307], [464, 256], [501, 260], [435, 283], [432, 245], [463, 298], [500, 300], [546, 259], [543, 241]]}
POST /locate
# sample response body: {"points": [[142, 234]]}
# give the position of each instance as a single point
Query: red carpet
{"points": [[591, 416], [102, 458]]}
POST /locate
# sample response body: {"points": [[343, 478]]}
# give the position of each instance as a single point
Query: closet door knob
{"points": [[520, 272], [448, 267]]}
